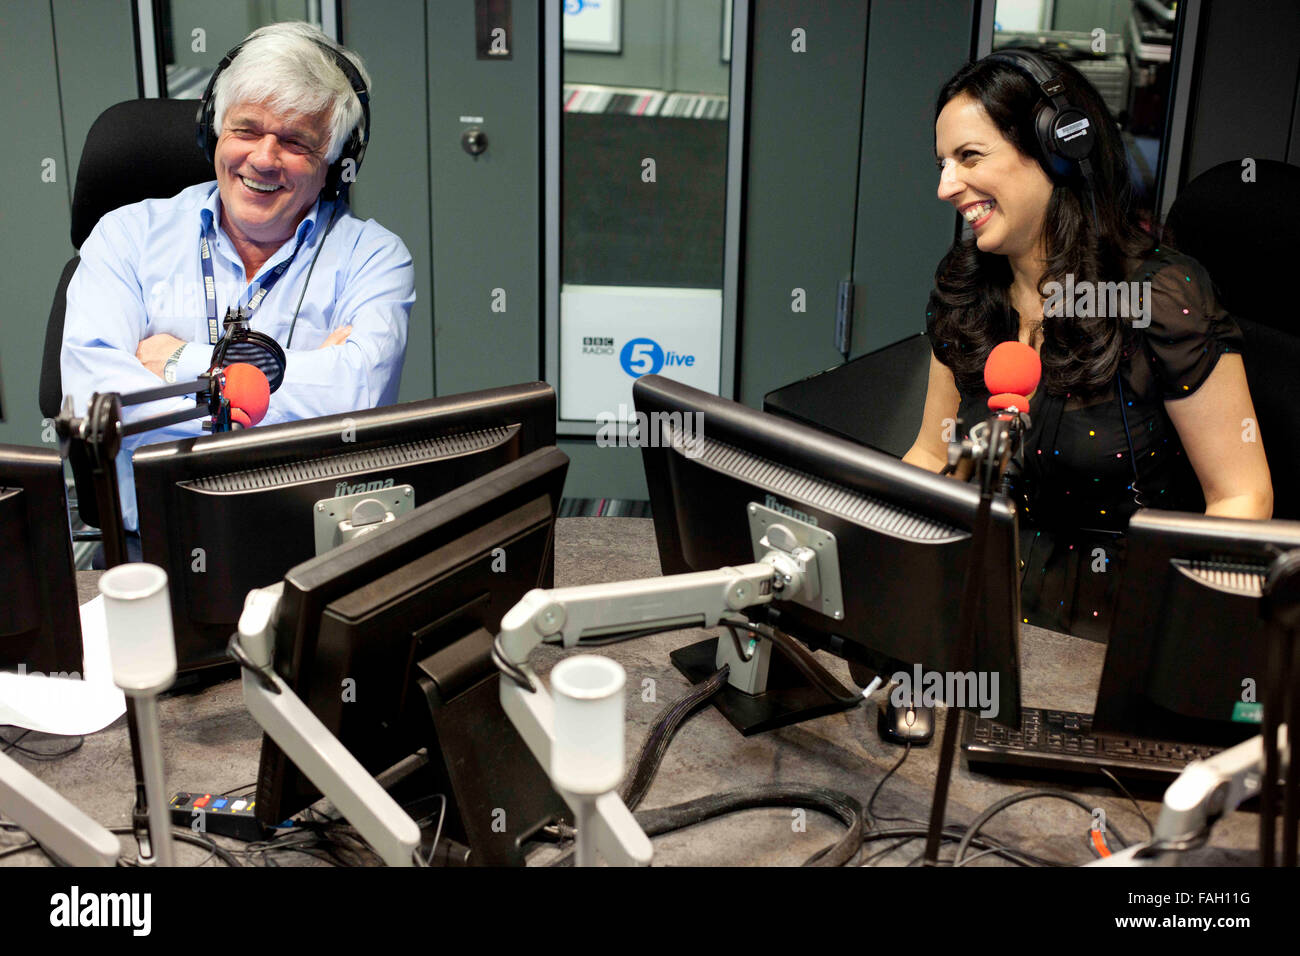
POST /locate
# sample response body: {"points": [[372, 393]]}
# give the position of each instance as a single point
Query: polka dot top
{"points": [[1078, 473]]}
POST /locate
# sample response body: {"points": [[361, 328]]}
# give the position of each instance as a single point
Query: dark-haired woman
{"points": [[1151, 387]]}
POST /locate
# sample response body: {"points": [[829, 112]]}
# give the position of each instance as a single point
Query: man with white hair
{"points": [[286, 128]]}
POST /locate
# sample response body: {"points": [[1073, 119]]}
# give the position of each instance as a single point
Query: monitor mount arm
{"points": [[309, 744], [91, 444], [1204, 792], [59, 826], [567, 615]]}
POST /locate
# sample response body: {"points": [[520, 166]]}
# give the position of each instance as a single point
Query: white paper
{"points": [[65, 705]]}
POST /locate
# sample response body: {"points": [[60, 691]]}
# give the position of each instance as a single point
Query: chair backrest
{"points": [[140, 149], [1240, 221]]}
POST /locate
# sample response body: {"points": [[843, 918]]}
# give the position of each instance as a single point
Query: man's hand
{"points": [[154, 351], [337, 337]]}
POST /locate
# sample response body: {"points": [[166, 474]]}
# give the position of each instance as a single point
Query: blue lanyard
{"points": [[266, 284]]}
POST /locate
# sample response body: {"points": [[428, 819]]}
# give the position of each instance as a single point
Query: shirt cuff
{"points": [[193, 361]]}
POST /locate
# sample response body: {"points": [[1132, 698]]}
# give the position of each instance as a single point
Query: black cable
{"points": [[662, 732], [509, 668], [185, 836], [310, 269], [39, 754], [839, 805], [442, 816], [800, 657], [1151, 830], [667, 819], [11, 744], [907, 749], [973, 830], [624, 636], [881, 854], [244, 786], [951, 834]]}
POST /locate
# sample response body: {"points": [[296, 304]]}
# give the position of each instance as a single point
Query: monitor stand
{"points": [[498, 795], [786, 696]]}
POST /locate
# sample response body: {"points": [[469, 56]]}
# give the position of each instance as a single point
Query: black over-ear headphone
{"points": [[1065, 134], [354, 150]]}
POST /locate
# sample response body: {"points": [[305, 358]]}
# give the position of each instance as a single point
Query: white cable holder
{"points": [[142, 649], [1204, 792], [587, 761], [567, 615], [329, 765]]}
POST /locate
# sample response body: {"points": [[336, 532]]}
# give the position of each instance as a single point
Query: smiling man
{"points": [[286, 130]]}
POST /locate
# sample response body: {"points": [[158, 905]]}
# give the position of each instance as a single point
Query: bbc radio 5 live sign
{"points": [[612, 335]]}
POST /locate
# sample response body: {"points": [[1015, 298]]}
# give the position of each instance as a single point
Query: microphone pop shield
{"points": [[244, 346]]}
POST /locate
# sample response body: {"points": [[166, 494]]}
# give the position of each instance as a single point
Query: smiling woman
{"points": [[1137, 406]]}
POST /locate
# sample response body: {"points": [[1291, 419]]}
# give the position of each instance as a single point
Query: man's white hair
{"points": [[281, 68]]}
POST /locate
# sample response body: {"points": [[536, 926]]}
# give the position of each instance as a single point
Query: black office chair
{"points": [[140, 149], [1246, 234]]}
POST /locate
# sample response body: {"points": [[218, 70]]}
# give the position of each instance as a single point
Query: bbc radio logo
{"points": [[647, 357]]}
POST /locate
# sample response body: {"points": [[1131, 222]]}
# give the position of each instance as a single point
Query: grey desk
{"points": [[211, 743]]}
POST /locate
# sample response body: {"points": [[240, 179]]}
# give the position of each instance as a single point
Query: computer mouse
{"points": [[906, 724]]}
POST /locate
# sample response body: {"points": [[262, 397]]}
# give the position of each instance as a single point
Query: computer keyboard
{"points": [[1058, 741]]}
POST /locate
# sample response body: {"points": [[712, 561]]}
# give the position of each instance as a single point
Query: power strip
{"points": [[217, 814]]}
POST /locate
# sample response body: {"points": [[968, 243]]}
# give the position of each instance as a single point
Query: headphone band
{"points": [[1066, 138], [1064, 131], [354, 148]]}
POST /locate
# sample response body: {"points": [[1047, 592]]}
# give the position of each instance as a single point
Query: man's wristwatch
{"points": [[169, 367]]}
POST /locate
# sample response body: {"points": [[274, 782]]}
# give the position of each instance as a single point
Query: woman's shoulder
{"points": [[1180, 320]]}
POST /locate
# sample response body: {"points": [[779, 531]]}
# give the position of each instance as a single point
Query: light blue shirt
{"points": [[140, 275]]}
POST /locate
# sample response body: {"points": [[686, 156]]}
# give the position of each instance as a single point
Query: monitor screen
{"points": [[227, 513], [359, 627], [1187, 659], [903, 534], [40, 624]]}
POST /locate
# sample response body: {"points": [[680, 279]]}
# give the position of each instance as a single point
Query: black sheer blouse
{"points": [[1076, 493]]}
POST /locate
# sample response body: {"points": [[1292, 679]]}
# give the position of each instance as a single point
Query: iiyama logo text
{"points": [[343, 488], [787, 510]]}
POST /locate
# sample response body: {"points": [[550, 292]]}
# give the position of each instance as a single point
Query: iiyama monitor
{"points": [[902, 537], [388, 640], [40, 624], [227, 513], [1187, 658]]}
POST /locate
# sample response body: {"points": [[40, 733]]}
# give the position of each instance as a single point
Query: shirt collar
{"points": [[210, 215]]}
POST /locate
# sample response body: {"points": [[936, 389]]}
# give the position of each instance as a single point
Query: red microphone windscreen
{"points": [[1005, 400], [1012, 367], [247, 390]]}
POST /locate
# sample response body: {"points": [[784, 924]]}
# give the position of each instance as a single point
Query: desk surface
{"points": [[211, 743]]}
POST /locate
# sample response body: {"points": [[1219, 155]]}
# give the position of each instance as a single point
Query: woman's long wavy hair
{"points": [[968, 309]]}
